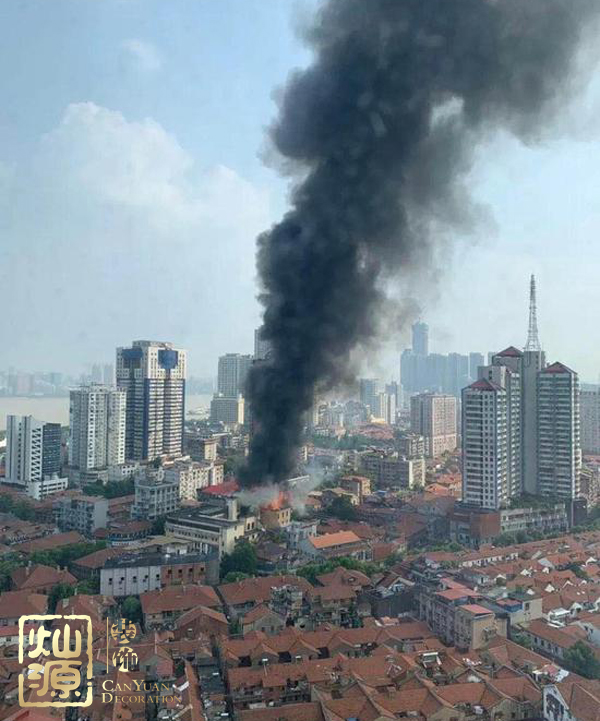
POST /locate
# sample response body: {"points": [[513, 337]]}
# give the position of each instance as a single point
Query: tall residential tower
{"points": [[152, 374]]}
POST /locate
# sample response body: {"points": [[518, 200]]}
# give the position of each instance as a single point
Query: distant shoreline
{"points": [[55, 409]]}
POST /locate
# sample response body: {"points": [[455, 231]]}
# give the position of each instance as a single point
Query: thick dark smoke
{"points": [[380, 131]]}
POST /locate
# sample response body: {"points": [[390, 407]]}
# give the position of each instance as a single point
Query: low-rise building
{"points": [[388, 470], [192, 476], [546, 519], [37, 578], [165, 606], [211, 526], [47, 486], [457, 616], [132, 575], [155, 493], [77, 512], [336, 545]]}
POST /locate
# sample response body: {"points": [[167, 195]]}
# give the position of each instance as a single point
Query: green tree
{"points": [[234, 576], [343, 509], [241, 559], [158, 526], [582, 660], [522, 640], [132, 609], [8, 563], [58, 592]]}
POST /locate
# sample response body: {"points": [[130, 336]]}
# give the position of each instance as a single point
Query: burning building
{"points": [[276, 515]]}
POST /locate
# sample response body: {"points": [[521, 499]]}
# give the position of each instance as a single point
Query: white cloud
{"points": [[144, 54], [122, 234]]}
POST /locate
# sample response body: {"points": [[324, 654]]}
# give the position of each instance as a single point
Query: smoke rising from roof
{"points": [[380, 132]]}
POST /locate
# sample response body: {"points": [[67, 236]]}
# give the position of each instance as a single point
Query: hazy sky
{"points": [[133, 185]]}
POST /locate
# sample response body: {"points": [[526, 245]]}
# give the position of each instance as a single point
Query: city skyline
{"points": [[203, 194]]}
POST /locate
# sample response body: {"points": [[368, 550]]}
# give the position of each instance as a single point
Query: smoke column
{"points": [[379, 132]]}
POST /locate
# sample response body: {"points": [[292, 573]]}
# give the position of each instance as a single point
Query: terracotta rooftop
{"points": [[329, 540]]}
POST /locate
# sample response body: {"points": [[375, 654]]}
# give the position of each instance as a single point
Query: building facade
{"points": [[155, 493], [85, 514], [559, 442], [433, 416], [135, 574], [152, 374], [232, 374], [97, 427], [229, 411], [33, 455], [590, 420], [485, 444]]}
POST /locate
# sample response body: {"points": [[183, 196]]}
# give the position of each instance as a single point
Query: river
{"points": [[56, 410]]}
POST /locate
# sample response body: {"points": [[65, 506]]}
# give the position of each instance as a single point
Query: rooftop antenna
{"points": [[533, 340]]}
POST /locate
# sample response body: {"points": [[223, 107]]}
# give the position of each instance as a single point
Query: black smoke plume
{"points": [[379, 132]]}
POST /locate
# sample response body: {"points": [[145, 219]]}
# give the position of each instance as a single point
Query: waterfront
{"points": [[56, 410]]}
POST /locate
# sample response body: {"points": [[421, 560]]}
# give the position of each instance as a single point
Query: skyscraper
{"points": [[559, 443], [33, 455], [369, 392], [262, 347], [506, 372], [97, 427], [433, 416], [233, 370], [475, 360], [420, 338], [484, 444], [590, 420], [152, 374]]}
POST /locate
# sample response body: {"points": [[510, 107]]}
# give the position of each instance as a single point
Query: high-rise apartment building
{"points": [[369, 393], [262, 347], [485, 444], [153, 376], [33, 451], [97, 427], [475, 360], [433, 416], [536, 445], [559, 443], [505, 372], [420, 338], [230, 411], [233, 370], [590, 420]]}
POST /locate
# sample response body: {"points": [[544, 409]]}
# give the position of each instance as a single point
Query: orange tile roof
{"points": [[339, 538]]}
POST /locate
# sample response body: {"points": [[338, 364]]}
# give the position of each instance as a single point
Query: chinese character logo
{"points": [[57, 662], [124, 658]]}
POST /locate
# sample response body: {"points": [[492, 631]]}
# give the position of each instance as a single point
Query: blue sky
{"points": [[133, 185]]}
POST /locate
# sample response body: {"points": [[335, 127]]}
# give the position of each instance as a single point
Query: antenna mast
{"points": [[533, 340]]}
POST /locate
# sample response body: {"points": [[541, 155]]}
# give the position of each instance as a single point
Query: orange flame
{"points": [[277, 503]]}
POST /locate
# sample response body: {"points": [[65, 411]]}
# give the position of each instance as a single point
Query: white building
{"points": [[97, 427], [191, 476], [233, 370], [485, 444], [155, 494], [153, 376], [590, 420], [33, 456], [559, 441], [48, 486], [433, 416]]}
